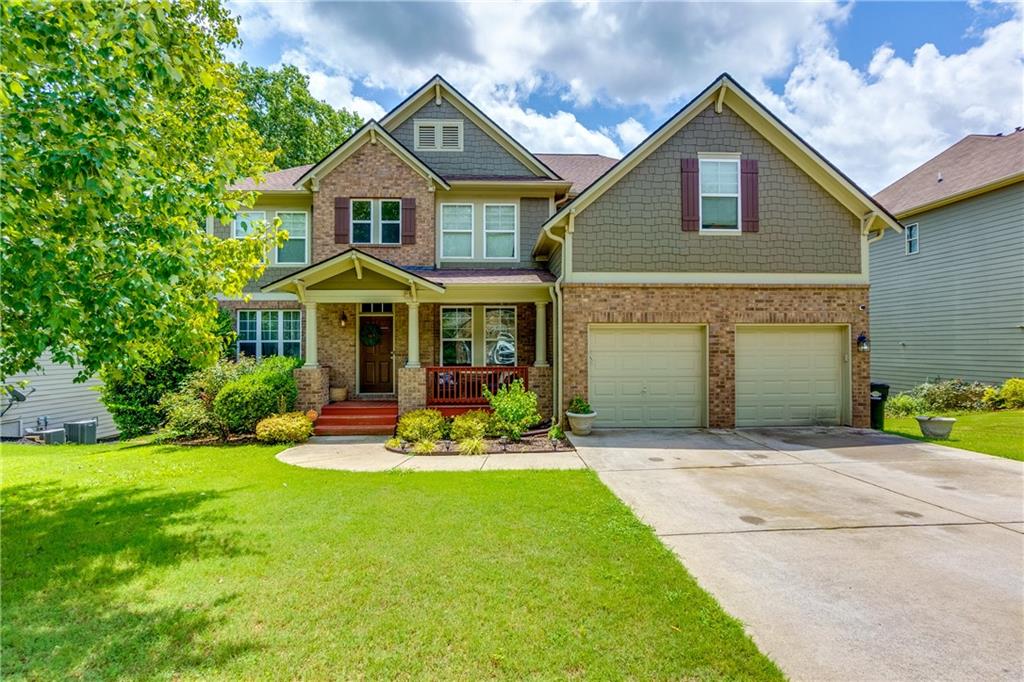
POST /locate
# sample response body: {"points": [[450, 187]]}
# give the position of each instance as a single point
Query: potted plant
{"points": [[936, 427], [581, 416]]}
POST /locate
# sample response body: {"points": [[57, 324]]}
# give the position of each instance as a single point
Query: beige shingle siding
{"points": [[481, 154], [636, 225], [958, 304]]}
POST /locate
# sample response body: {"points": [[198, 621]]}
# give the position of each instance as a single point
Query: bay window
{"points": [[262, 333]]}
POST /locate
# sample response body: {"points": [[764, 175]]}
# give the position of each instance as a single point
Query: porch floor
{"points": [[357, 418]]}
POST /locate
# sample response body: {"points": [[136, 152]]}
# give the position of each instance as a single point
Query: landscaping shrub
{"points": [[473, 445], [424, 447], [189, 411], [472, 424], [951, 395], [515, 409], [394, 443], [1012, 393], [291, 427], [269, 389], [420, 425], [132, 396], [579, 405], [904, 405], [556, 433]]}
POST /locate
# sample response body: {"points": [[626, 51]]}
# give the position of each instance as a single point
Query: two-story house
{"points": [[715, 276]]}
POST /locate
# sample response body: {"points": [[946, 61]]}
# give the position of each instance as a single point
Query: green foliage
{"points": [[904, 404], [1011, 394], [189, 410], [515, 409], [393, 443], [133, 397], [424, 447], [472, 445], [419, 425], [291, 427], [556, 433], [122, 130], [294, 125], [270, 389], [951, 395], [579, 405], [472, 424]]}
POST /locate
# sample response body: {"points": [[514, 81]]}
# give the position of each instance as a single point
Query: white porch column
{"points": [[541, 328], [414, 334], [311, 344]]}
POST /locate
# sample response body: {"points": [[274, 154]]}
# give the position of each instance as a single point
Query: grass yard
{"points": [[994, 433], [140, 562]]}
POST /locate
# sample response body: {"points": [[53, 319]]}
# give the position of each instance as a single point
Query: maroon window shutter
{"points": [[748, 195], [341, 224], [690, 188], [409, 220]]}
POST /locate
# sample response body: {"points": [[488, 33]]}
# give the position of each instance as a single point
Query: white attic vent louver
{"points": [[438, 136], [426, 137], [451, 136]]}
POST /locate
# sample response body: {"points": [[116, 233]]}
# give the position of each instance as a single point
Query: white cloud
{"points": [[336, 90], [631, 132]]}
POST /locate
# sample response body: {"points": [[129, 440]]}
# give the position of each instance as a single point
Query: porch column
{"points": [[311, 334], [541, 328], [414, 334]]}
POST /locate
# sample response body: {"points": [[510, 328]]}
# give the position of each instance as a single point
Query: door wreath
{"points": [[369, 334]]}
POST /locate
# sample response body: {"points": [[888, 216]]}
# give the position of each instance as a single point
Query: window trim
{"points": [[438, 125], [234, 222], [471, 230], [472, 334], [376, 221], [515, 334], [305, 251], [907, 240], [515, 232], [352, 220], [279, 313], [380, 222], [720, 156]]}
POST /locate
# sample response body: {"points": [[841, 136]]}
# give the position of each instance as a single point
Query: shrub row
{"points": [[956, 395]]}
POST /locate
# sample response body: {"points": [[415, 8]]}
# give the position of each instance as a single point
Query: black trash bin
{"points": [[879, 394]]}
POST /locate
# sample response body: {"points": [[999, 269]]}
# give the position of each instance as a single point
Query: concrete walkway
{"points": [[359, 453], [848, 554]]}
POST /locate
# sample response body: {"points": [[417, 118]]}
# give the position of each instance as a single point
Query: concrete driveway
{"points": [[848, 554]]}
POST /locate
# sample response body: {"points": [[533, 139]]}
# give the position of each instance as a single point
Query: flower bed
{"points": [[492, 446]]}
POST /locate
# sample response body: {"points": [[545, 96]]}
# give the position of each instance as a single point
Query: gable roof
{"points": [[371, 131], [724, 90], [579, 169], [974, 164], [438, 87], [278, 181], [352, 258]]}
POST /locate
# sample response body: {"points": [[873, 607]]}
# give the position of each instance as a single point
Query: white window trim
{"points": [[436, 124], [515, 333], [471, 230], [234, 222], [515, 233], [376, 227], [720, 156], [472, 334], [259, 330], [907, 240], [305, 258], [352, 219]]}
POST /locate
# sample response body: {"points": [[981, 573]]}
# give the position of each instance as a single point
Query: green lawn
{"points": [[166, 562], [995, 433]]}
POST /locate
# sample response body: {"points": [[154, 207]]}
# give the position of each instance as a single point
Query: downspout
{"points": [[556, 297]]}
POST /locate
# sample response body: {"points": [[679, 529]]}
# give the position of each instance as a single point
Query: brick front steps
{"points": [[357, 418]]}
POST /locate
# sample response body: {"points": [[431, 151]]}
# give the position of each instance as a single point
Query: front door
{"points": [[376, 342]]}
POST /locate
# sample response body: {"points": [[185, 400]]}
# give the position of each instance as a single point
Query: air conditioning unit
{"points": [[83, 432]]}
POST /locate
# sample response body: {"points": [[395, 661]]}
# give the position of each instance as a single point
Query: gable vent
{"points": [[426, 137], [438, 136], [451, 136]]}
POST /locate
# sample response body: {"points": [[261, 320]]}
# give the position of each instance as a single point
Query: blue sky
{"points": [[878, 87]]}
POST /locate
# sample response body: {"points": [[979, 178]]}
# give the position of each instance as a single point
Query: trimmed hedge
{"points": [[269, 390], [292, 427]]}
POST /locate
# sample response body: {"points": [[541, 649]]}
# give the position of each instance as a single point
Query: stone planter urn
{"points": [[936, 427], [581, 424]]}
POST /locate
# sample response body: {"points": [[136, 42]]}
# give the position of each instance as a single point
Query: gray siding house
{"points": [[947, 295]]}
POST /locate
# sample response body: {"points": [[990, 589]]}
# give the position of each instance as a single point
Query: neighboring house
{"points": [[57, 398], [947, 297], [715, 276]]}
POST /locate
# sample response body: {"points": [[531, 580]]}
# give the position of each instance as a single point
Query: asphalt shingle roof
{"points": [[579, 169]]}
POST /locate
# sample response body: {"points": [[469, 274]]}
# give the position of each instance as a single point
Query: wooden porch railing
{"points": [[464, 385]]}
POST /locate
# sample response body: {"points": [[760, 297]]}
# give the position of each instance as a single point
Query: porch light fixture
{"points": [[344, 318], [863, 343]]}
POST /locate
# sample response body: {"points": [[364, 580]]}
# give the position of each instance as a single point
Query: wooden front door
{"points": [[375, 359]]}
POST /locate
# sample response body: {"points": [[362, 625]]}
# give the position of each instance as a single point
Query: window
{"points": [[913, 243], [438, 136], [500, 336], [245, 222], [262, 333], [377, 308], [376, 221], [456, 230], [500, 231], [720, 194], [297, 225], [457, 336]]}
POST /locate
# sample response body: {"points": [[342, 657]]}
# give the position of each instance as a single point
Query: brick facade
{"points": [[412, 388], [314, 387], [721, 308], [539, 380]]}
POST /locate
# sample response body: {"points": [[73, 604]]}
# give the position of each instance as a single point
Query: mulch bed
{"points": [[499, 446]]}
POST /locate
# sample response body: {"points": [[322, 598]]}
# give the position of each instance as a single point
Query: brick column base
{"points": [[412, 389], [314, 387], [539, 380]]}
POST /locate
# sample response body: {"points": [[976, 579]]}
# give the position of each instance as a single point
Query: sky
{"points": [[877, 87]]}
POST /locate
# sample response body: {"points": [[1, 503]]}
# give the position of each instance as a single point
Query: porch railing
{"points": [[464, 385]]}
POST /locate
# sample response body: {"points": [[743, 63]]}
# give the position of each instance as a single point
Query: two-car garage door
{"points": [[656, 375]]}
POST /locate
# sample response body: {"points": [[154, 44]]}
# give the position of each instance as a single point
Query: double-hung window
{"points": [[500, 336], [719, 194], [246, 222], [262, 333], [457, 336], [913, 241], [376, 221], [456, 230], [293, 252], [500, 231]]}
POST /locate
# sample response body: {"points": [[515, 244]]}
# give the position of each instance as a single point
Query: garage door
{"points": [[789, 376], [647, 375]]}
